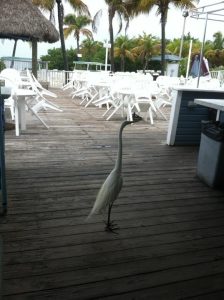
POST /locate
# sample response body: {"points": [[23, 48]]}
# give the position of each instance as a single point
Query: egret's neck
{"points": [[118, 164]]}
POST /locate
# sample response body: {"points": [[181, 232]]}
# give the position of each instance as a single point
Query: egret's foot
{"points": [[111, 227]]}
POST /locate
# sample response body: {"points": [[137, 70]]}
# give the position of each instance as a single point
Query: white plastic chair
{"points": [[13, 75], [9, 102], [73, 82], [40, 102], [34, 99], [42, 90], [15, 106], [144, 101], [122, 98]]}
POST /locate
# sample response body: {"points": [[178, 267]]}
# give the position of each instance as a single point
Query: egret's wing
{"points": [[108, 192]]}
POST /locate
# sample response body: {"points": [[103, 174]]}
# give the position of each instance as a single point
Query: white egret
{"points": [[111, 187]]}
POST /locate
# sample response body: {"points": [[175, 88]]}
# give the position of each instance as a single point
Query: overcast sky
{"points": [[149, 24]]}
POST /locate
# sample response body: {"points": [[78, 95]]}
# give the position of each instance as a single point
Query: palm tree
{"points": [[93, 51], [46, 5], [148, 45], [115, 7], [144, 6], [218, 40], [174, 47], [89, 49], [75, 25], [122, 49], [49, 5]]}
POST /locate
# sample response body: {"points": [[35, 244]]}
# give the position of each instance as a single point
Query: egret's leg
{"points": [[109, 213], [110, 226]]}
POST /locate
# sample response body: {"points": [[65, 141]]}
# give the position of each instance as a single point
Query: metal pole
{"points": [[185, 15], [106, 57], [202, 48], [189, 59]]}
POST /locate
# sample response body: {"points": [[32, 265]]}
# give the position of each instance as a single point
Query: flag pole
{"points": [[202, 48]]}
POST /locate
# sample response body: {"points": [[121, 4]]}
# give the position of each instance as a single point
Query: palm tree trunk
{"points": [[111, 32], [77, 40], [163, 42], [60, 22], [145, 64], [122, 64], [13, 54]]}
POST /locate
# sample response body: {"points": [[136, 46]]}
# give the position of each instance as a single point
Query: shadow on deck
{"points": [[171, 239]]}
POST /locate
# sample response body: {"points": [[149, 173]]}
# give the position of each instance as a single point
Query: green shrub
{"points": [[2, 65]]}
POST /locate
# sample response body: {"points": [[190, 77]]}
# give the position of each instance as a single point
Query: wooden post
{"points": [[34, 58]]}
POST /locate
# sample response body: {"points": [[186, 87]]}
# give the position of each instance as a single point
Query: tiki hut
{"points": [[20, 19]]}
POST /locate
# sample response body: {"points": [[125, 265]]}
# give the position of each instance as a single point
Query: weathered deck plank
{"points": [[170, 243]]}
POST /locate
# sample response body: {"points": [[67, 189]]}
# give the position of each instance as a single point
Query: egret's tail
{"points": [[89, 215], [98, 207], [94, 211]]}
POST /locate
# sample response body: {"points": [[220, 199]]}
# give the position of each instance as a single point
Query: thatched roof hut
{"points": [[20, 19]]}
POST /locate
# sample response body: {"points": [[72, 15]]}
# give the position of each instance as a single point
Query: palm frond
{"points": [[86, 32], [117, 52], [45, 5], [118, 14], [70, 19], [79, 6], [96, 20], [184, 4], [130, 55], [68, 31]]}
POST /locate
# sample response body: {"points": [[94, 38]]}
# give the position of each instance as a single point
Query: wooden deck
{"points": [[171, 239]]}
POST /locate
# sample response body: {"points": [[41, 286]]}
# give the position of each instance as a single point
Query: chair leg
{"points": [[44, 104], [91, 100], [16, 119], [129, 113], [107, 110], [115, 110], [12, 111], [161, 113], [151, 115], [39, 118]]}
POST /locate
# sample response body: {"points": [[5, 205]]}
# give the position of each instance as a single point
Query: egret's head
{"points": [[136, 118]]}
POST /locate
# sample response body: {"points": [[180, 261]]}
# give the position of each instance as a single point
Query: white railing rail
{"points": [[54, 78], [217, 74]]}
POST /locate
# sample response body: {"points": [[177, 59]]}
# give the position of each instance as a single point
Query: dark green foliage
{"points": [[94, 51], [183, 66], [2, 65], [215, 58], [55, 58]]}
